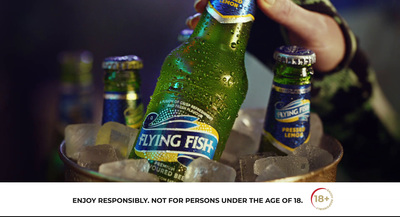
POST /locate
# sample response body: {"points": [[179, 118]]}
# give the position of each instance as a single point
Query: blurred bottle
{"points": [[122, 99], [76, 100], [287, 122], [77, 89], [201, 87]]}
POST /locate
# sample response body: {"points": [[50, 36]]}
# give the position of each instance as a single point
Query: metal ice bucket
{"points": [[73, 172], [325, 174]]}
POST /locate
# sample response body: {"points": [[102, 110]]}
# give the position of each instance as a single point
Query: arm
{"points": [[316, 31]]}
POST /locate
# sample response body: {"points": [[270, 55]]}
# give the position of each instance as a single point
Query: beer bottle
{"points": [[122, 99], [77, 88], [199, 92], [287, 123], [75, 102]]}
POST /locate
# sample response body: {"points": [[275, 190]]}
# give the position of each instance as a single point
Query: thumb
{"points": [[296, 19], [313, 30]]}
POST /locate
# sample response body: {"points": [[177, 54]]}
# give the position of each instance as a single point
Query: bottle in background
{"points": [[199, 92], [122, 99], [75, 102], [287, 123], [77, 88]]}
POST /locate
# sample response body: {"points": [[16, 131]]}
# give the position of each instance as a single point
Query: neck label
{"points": [[232, 11]]}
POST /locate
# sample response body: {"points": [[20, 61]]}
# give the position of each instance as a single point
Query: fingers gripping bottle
{"points": [[199, 92], [287, 122]]}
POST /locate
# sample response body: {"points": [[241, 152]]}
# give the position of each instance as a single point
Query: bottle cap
{"points": [[76, 57], [127, 62], [294, 55], [76, 67], [185, 35]]}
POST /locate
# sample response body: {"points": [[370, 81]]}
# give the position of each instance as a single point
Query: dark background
{"points": [[34, 32]]}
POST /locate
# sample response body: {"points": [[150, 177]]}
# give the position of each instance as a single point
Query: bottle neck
{"points": [[76, 73], [121, 81], [229, 37], [292, 74]]}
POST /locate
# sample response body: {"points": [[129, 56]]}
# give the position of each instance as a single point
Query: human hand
{"points": [[308, 29]]}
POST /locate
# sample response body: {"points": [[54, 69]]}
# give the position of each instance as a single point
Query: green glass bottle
{"points": [[76, 88], [75, 102], [287, 123], [199, 92], [122, 99]]}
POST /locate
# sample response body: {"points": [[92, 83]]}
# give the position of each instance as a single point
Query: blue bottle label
{"points": [[76, 104], [172, 137], [232, 11], [123, 107], [287, 122]]}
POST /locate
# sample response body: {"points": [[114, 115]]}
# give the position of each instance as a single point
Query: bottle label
{"points": [[123, 107], [76, 105], [232, 11], [177, 139], [171, 139], [287, 121]]}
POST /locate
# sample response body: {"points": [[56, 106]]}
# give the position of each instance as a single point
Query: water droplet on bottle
{"points": [[233, 45]]}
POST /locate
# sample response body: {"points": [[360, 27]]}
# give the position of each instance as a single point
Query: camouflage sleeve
{"points": [[351, 90], [354, 109]]}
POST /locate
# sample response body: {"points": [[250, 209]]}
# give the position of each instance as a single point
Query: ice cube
{"points": [[206, 170], [120, 136], [129, 170], [271, 172], [91, 157], [247, 165], [250, 121], [78, 136], [291, 165], [317, 157], [238, 144], [316, 129]]}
